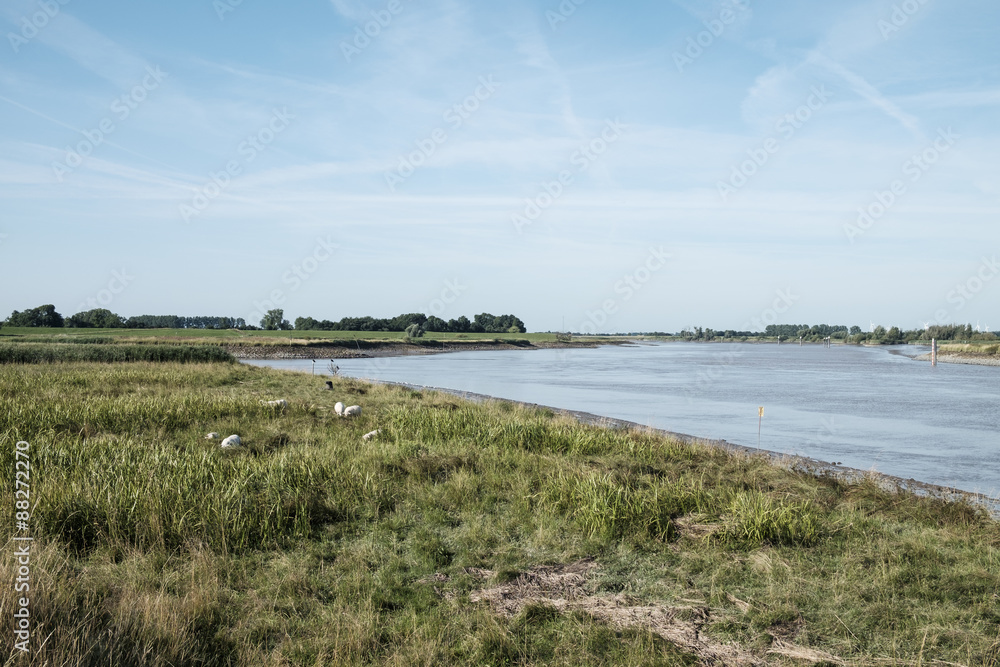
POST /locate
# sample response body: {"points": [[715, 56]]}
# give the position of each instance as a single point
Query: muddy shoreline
{"points": [[370, 349]]}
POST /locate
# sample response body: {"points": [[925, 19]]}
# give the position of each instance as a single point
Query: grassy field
{"points": [[236, 337], [464, 534]]}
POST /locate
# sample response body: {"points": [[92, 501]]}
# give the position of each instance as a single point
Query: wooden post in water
{"points": [[760, 418], [933, 351]]}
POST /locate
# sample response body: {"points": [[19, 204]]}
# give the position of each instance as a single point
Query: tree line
{"points": [[102, 318], [481, 323], [819, 332]]}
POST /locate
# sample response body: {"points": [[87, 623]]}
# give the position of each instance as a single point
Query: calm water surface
{"points": [[866, 408]]}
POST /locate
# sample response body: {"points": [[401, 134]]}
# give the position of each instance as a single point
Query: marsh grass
{"points": [[309, 546], [106, 352]]}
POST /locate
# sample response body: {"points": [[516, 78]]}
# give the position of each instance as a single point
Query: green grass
{"points": [[49, 353], [309, 546], [979, 347]]}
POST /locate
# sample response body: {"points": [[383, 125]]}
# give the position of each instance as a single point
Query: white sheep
{"points": [[232, 441], [212, 436], [352, 411], [280, 403], [369, 436], [339, 409]]}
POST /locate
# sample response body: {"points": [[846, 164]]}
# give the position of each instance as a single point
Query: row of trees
{"points": [[102, 318], [481, 323], [816, 333], [182, 322]]}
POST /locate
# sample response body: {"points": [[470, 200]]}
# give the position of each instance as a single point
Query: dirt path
{"points": [[567, 588]]}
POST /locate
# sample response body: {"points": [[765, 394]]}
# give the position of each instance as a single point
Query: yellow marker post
{"points": [[760, 418]]}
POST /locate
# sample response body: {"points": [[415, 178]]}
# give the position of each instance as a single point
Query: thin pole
{"points": [[760, 418]]}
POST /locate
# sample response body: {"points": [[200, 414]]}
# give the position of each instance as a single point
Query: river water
{"points": [[867, 408]]}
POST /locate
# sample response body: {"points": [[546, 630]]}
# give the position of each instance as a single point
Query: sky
{"points": [[586, 165]]}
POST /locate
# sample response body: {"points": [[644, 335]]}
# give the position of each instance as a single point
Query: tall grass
{"points": [[49, 353]]}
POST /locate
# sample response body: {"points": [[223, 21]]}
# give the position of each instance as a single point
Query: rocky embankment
{"points": [[963, 358]]}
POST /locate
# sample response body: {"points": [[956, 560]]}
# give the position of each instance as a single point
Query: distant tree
{"points": [[97, 318], [893, 336], [414, 331], [305, 324], [460, 325], [274, 321], [435, 323], [401, 322], [855, 330], [43, 316]]}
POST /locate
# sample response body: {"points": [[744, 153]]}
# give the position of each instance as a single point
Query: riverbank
{"points": [[464, 532], [394, 348], [794, 463], [460, 533]]}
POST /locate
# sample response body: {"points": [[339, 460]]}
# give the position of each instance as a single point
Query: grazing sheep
{"points": [[280, 403], [369, 436], [232, 441], [339, 409], [212, 436], [329, 385], [352, 411]]}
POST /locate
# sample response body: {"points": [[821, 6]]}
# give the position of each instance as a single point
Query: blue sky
{"points": [[594, 166]]}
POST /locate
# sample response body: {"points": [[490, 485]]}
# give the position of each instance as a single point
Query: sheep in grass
{"points": [[280, 403], [329, 385], [369, 436], [339, 409], [352, 411], [212, 436], [231, 441]]}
